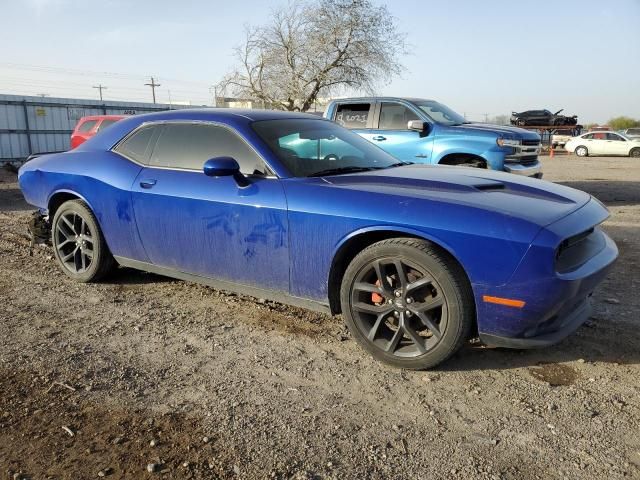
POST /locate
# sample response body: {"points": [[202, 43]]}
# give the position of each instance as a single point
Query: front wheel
{"points": [[78, 243], [406, 303], [582, 151], [635, 153]]}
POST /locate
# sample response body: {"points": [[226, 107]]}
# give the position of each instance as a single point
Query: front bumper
{"points": [[529, 170], [555, 303]]}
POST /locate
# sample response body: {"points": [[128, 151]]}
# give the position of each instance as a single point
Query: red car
{"points": [[87, 127]]}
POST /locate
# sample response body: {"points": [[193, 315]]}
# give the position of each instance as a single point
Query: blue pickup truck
{"points": [[425, 131]]}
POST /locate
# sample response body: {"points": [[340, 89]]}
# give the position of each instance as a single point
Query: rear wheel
{"points": [[406, 303], [78, 243], [635, 153], [582, 151]]}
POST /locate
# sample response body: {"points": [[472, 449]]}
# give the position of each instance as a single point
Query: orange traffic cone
{"points": [[551, 152]]}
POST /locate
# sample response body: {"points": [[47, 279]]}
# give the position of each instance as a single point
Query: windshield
{"points": [[440, 113], [311, 147]]}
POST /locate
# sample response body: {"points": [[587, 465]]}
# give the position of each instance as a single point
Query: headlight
{"points": [[507, 142]]}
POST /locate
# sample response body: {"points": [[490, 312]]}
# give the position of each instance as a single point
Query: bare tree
{"points": [[316, 47]]}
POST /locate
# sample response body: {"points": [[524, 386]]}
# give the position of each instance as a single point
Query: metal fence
{"points": [[30, 125]]}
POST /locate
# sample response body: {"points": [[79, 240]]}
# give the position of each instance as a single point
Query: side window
{"points": [[138, 145], [394, 116], [106, 123], [318, 149], [189, 145], [588, 136], [613, 136], [87, 126], [599, 136], [353, 115]]}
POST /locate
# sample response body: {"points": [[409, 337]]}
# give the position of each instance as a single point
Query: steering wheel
{"points": [[332, 157]]}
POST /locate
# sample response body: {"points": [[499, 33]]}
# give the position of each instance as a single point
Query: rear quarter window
{"points": [[138, 146]]}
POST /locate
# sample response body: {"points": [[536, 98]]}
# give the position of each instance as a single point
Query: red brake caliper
{"points": [[376, 297]]}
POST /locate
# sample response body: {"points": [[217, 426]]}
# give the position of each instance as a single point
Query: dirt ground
{"points": [[142, 372]]}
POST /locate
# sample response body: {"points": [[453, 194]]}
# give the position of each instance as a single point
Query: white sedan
{"points": [[604, 143]]}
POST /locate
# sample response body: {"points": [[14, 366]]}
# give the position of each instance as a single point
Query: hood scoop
{"points": [[487, 187]]}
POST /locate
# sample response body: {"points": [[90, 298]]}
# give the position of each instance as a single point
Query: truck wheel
{"points": [[406, 303], [78, 243], [635, 153], [582, 151], [521, 123]]}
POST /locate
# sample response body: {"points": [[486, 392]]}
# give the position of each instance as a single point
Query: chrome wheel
{"points": [[399, 307], [74, 242]]}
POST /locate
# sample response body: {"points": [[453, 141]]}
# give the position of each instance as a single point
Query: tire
{"points": [[635, 152], [426, 295], [78, 243], [581, 151], [521, 123]]}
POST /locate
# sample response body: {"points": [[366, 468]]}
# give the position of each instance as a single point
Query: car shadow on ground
{"points": [[11, 200], [609, 192], [580, 346], [131, 276]]}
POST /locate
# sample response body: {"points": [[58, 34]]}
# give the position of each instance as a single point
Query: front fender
{"points": [[489, 151], [393, 228]]}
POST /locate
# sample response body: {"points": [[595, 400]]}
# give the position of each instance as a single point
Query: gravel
{"points": [[285, 393]]}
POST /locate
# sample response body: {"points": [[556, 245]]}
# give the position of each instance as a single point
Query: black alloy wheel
{"points": [[406, 303], [78, 243]]}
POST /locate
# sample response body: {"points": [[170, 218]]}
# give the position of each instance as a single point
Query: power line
{"points": [[101, 87], [153, 86], [83, 72]]}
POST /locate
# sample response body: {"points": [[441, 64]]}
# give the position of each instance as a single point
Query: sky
{"points": [[480, 57]]}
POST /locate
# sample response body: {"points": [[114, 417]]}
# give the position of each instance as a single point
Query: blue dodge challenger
{"points": [[297, 209]]}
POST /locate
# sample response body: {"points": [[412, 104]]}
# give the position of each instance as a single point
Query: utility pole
{"points": [[153, 86], [213, 90], [486, 118], [100, 87]]}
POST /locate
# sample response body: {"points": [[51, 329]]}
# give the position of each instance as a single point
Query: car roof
{"points": [[222, 114], [237, 118]]}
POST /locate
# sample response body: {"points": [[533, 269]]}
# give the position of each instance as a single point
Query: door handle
{"points": [[379, 138], [148, 183]]}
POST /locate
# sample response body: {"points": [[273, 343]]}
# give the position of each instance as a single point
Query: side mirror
{"points": [[418, 126], [221, 167], [225, 167]]}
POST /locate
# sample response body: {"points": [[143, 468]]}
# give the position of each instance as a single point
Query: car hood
{"points": [[502, 130], [530, 199]]}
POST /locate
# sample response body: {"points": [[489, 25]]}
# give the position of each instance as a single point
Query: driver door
{"points": [[208, 226], [392, 135]]}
